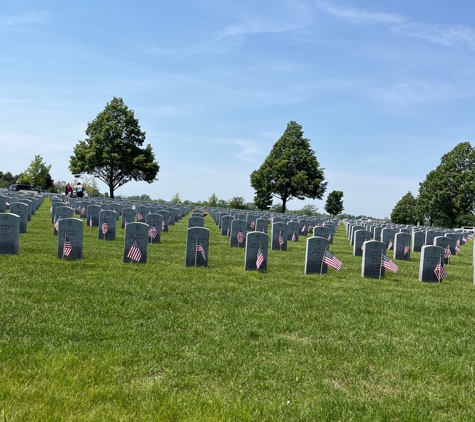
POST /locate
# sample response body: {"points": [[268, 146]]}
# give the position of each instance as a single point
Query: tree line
{"points": [[447, 195]]}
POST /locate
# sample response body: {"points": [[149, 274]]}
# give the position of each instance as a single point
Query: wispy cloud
{"points": [[442, 34], [248, 152], [360, 16], [9, 22]]}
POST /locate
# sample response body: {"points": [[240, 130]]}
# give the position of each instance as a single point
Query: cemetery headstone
{"points": [[197, 247], [279, 236], [107, 225], [9, 234], [431, 256], [314, 254], [136, 243], [237, 237], [70, 238], [256, 251], [372, 258]]}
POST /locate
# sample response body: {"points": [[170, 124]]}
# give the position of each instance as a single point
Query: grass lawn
{"points": [[97, 339]]}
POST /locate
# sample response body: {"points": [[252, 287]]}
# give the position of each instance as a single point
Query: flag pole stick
{"points": [[321, 265], [196, 252]]}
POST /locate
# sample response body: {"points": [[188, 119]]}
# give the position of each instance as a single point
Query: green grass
{"points": [[97, 339]]}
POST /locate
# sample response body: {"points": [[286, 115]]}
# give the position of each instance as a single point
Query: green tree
{"points": [[334, 204], [237, 202], [308, 209], [36, 172], [405, 211], [263, 200], [447, 195], [176, 198], [112, 150], [213, 200], [291, 170]]}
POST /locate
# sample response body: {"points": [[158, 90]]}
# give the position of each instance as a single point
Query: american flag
{"points": [[125, 224], [252, 225], [388, 264], [294, 238], [228, 232], [83, 210], [303, 228], [464, 239], [447, 252], [67, 247], [200, 249], [169, 219], [152, 232], [407, 248], [56, 225], [330, 237], [240, 236], [390, 244], [331, 260], [139, 216], [90, 222], [281, 239], [133, 206], [457, 247], [439, 271], [78, 208], [134, 252], [260, 258], [163, 225], [105, 228]]}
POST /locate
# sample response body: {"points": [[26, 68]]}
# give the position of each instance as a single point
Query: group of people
{"points": [[78, 190]]}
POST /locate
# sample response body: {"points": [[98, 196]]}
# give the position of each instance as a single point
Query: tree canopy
{"points": [[447, 195], [291, 170], [334, 204], [36, 173], [112, 150], [405, 211]]}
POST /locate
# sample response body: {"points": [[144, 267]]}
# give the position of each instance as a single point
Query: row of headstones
{"points": [[23, 205], [402, 237], [432, 255]]}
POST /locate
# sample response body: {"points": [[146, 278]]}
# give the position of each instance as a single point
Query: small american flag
{"points": [[200, 249], [67, 247], [281, 239], [294, 238], [152, 232], [439, 271], [90, 222], [252, 225], [447, 252], [228, 232], [331, 260], [169, 219], [330, 237], [388, 264], [105, 228], [407, 248], [457, 248], [260, 258], [134, 252], [83, 210], [304, 228], [163, 225], [390, 244], [133, 206], [56, 225], [240, 236], [139, 216]]}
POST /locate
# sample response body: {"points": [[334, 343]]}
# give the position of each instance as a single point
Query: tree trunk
{"points": [[111, 192]]}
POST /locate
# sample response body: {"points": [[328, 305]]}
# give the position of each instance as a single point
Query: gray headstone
{"points": [[256, 251], [316, 248], [92, 215], [128, 216], [430, 257], [136, 243], [107, 225], [237, 237], [262, 225], [372, 255], [279, 236], [402, 246], [360, 237], [226, 225], [155, 222], [196, 221], [21, 210], [70, 238], [443, 242], [9, 234], [59, 214], [293, 229], [197, 246], [418, 239]]}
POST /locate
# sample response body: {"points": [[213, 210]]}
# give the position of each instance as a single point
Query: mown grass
{"points": [[97, 339]]}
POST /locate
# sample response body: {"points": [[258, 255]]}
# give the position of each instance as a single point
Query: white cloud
{"points": [[248, 152]]}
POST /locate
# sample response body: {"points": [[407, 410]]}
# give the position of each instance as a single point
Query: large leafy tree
{"points": [[334, 204], [291, 170], [405, 211], [113, 151], [263, 200], [447, 195], [36, 172]]}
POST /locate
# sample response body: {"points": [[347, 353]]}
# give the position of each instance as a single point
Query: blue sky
{"points": [[382, 89]]}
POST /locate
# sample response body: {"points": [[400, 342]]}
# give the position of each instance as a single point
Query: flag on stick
{"points": [[67, 247], [260, 258], [294, 238], [439, 270], [390, 244], [388, 264], [152, 232], [240, 236], [200, 249], [105, 228], [331, 260], [134, 252], [447, 252], [407, 248], [56, 225]]}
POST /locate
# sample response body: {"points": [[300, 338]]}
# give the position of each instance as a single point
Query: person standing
{"points": [[79, 190], [69, 189]]}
